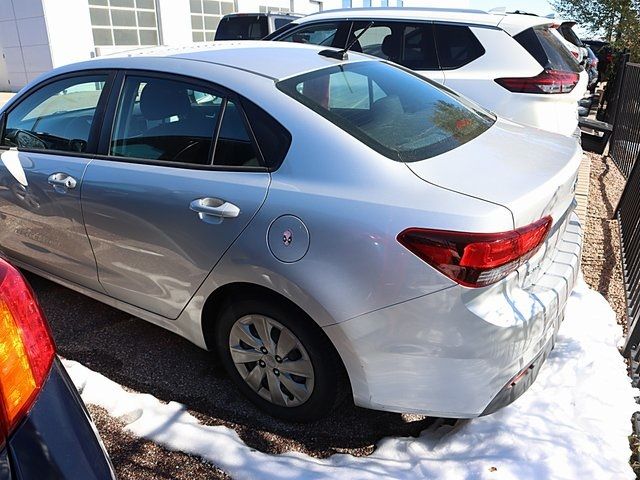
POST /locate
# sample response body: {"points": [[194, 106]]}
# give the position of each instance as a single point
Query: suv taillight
{"points": [[26, 348], [549, 81], [476, 259]]}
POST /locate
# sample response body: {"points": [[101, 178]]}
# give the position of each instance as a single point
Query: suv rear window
{"points": [[545, 47], [243, 27], [397, 113]]}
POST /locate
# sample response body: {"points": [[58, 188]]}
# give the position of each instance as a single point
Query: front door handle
{"points": [[62, 181], [214, 207]]}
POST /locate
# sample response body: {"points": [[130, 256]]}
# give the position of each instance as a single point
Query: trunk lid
{"points": [[529, 171]]}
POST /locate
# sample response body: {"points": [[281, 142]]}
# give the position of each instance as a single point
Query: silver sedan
{"points": [[331, 224]]}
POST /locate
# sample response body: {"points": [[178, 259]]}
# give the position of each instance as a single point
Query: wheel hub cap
{"points": [[271, 360]]}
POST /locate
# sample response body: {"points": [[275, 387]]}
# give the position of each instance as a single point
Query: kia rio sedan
{"points": [[332, 225]]}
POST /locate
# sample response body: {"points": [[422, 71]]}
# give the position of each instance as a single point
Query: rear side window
{"points": [[273, 139], [547, 49], [318, 34], [234, 146], [243, 27], [396, 113], [58, 116], [457, 46]]}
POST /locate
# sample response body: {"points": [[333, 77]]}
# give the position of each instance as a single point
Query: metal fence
{"points": [[624, 149], [628, 215], [625, 140]]}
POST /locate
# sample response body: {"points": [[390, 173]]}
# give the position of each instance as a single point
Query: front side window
{"points": [[321, 34], [396, 113], [162, 119], [58, 116]]}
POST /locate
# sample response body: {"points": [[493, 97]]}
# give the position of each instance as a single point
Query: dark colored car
{"points": [[605, 54], [592, 69], [252, 26], [46, 430]]}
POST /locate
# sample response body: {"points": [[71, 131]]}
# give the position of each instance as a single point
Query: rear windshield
{"points": [[243, 27], [547, 49], [393, 111], [570, 35]]}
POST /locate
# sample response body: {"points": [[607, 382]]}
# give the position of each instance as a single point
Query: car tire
{"points": [[316, 391]]}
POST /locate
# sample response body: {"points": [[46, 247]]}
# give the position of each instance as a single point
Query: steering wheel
{"points": [[27, 139], [185, 150]]}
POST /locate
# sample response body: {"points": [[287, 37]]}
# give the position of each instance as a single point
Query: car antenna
{"points": [[342, 54]]}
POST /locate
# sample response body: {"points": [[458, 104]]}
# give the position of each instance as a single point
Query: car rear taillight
{"points": [[549, 81], [575, 54], [26, 348], [476, 259]]}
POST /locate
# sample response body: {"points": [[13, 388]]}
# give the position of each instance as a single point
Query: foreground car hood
{"points": [[529, 171]]}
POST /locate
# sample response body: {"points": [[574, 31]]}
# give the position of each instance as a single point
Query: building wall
{"points": [[69, 30], [24, 41]]}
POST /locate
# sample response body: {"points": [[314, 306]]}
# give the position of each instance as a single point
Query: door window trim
{"points": [[94, 132], [108, 123]]}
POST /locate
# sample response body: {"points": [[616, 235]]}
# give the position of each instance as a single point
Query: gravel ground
{"points": [[137, 459], [601, 263], [146, 358]]}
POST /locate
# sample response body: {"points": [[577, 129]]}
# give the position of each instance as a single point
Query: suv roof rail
{"points": [[396, 9]]}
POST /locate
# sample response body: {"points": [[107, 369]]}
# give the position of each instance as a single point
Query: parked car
{"points": [[46, 430], [605, 54], [575, 51], [566, 30], [510, 64], [252, 26], [329, 225], [592, 69]]}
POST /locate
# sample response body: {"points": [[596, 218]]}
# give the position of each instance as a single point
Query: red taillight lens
{"points": [[476, 259], [575, 54], [26, 347], [549, 81]]}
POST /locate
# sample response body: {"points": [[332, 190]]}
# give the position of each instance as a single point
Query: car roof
{"points": [[264, 14], [511, 23], [275, 60]]}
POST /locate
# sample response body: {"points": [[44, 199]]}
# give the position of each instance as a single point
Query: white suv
{"points": [[509, 63]]}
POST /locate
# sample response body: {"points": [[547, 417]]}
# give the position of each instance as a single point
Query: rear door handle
{"points": [[62, 181], [214, 207]]}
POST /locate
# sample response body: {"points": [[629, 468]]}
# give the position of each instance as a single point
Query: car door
{"points": [[46, 145], [410, 44], [179, 180]]}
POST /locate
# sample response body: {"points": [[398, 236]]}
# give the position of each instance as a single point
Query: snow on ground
{"points": [[572, 423]]}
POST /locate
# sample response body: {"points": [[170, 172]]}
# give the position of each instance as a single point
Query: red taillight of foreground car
{"points": [[549, 81], [27, 349], [476, 259]]}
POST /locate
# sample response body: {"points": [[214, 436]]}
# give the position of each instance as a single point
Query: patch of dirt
{"points": [[137, 459]]}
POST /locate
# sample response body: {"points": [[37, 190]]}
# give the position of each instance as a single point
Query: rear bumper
{"points": [[58, 439], [454, 352]]}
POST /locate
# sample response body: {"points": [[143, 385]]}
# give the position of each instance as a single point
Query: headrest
{"points": [[161, 99], [391, 46]]}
